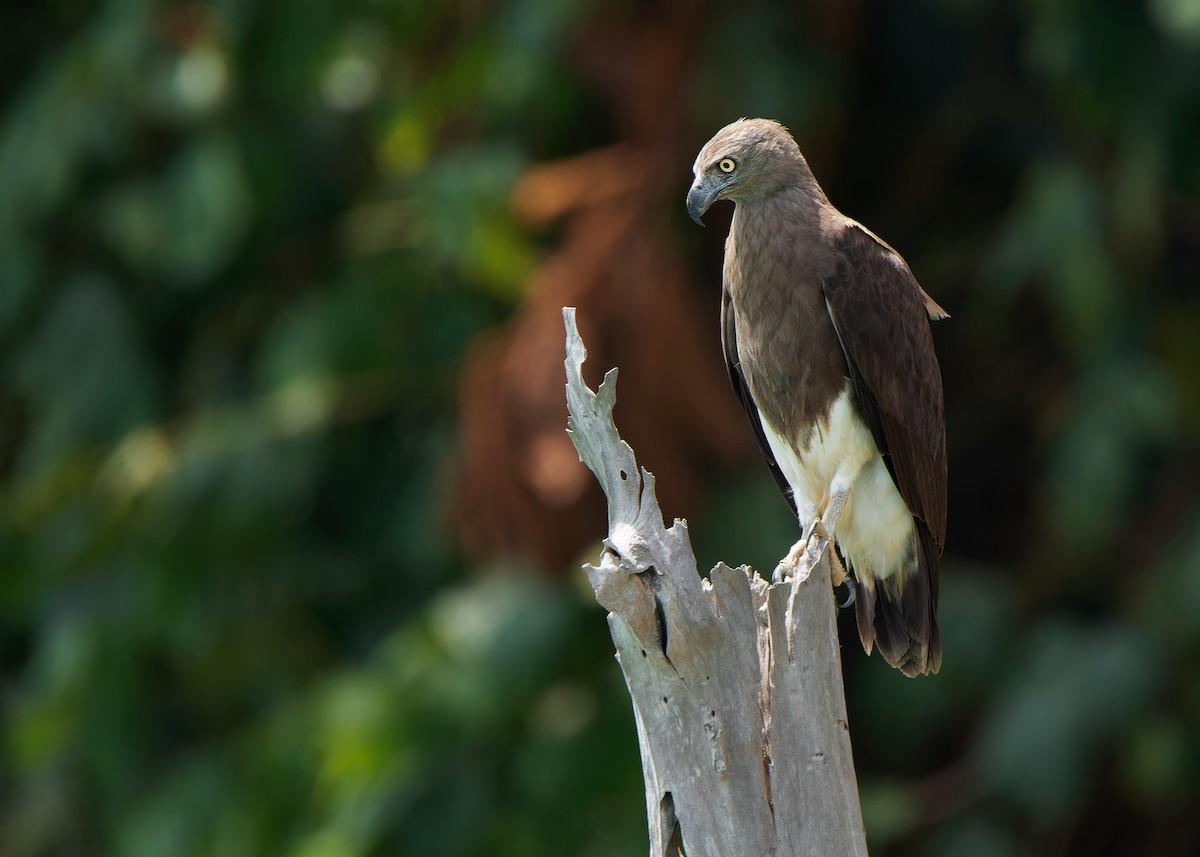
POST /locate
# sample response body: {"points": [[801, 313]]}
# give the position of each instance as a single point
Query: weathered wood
{"points": [[745, 747]]}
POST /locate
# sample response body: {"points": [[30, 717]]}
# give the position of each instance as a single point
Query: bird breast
{"points": [[794, 366], [875, 528], [787, 347]]}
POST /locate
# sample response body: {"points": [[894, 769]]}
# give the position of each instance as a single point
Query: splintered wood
{"points": [[744, 742]]}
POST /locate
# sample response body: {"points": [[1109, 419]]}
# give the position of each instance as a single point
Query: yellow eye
{"points": [[727, 165]]}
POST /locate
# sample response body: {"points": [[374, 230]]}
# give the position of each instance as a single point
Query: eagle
{"points": [[828, 345]]}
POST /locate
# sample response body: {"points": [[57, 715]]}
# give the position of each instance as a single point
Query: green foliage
{"points": [[237, 285], [244, 248]]}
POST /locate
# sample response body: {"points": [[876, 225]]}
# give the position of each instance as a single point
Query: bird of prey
{"points": [[827, 341]]}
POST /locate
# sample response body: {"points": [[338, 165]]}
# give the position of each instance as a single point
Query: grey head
{"points": [[746, 161]]}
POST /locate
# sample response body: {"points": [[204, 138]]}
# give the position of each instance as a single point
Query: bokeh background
{"points": [[289, 527]]}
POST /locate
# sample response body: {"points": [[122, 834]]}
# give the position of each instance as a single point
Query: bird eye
{"points": [[727, 165]]}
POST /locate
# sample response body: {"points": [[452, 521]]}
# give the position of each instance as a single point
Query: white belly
{"points": [[875, 528]]}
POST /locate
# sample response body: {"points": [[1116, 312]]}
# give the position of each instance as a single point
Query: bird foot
{"points": [[840, 577], [817, 544], [804, 555], [790, 564]]}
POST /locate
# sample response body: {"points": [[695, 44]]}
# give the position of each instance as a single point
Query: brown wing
{"points": [[882, 319], [734, 365]]}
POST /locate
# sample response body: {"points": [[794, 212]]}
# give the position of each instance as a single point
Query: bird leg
{"points": [[790, 564], [838, 574], [806, 553], [824, 526]]}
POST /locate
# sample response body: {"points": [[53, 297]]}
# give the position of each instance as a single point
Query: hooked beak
{"points": [[699, 198]]}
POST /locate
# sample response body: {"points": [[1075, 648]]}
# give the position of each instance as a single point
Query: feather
{"points": [[826, 337]]}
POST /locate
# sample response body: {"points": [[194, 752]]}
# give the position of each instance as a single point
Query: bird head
{"points": [[748, 159]]}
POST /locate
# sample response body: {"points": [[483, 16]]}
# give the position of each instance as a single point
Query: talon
{"points": [[788, 565], [848, 582]]}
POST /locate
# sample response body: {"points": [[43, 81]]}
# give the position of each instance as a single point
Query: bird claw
{"points": [[805, 554], [787, 567], [851, 590]]}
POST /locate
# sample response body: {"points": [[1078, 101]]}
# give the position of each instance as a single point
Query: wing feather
{"points": [[733, 365], [881, 316]]}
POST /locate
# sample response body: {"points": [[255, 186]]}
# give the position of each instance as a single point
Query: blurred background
{"points": [[289, 527]]}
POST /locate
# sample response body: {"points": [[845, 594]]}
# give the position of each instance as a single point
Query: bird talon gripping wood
{"points": [[790, 565], [827, 341]]}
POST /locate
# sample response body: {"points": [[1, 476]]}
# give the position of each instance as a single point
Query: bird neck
{"points": [[796, 203], [783, 226]]}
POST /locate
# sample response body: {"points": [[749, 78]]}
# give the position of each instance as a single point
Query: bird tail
{"points": [[898, 614]]}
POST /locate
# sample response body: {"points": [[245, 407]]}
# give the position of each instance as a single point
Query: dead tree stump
{"points": [[741, 715]]}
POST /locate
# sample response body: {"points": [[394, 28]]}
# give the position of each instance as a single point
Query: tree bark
{"points": [[736, 683]]}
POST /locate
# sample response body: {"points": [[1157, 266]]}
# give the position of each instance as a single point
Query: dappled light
{"points": [[290, 528]]}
